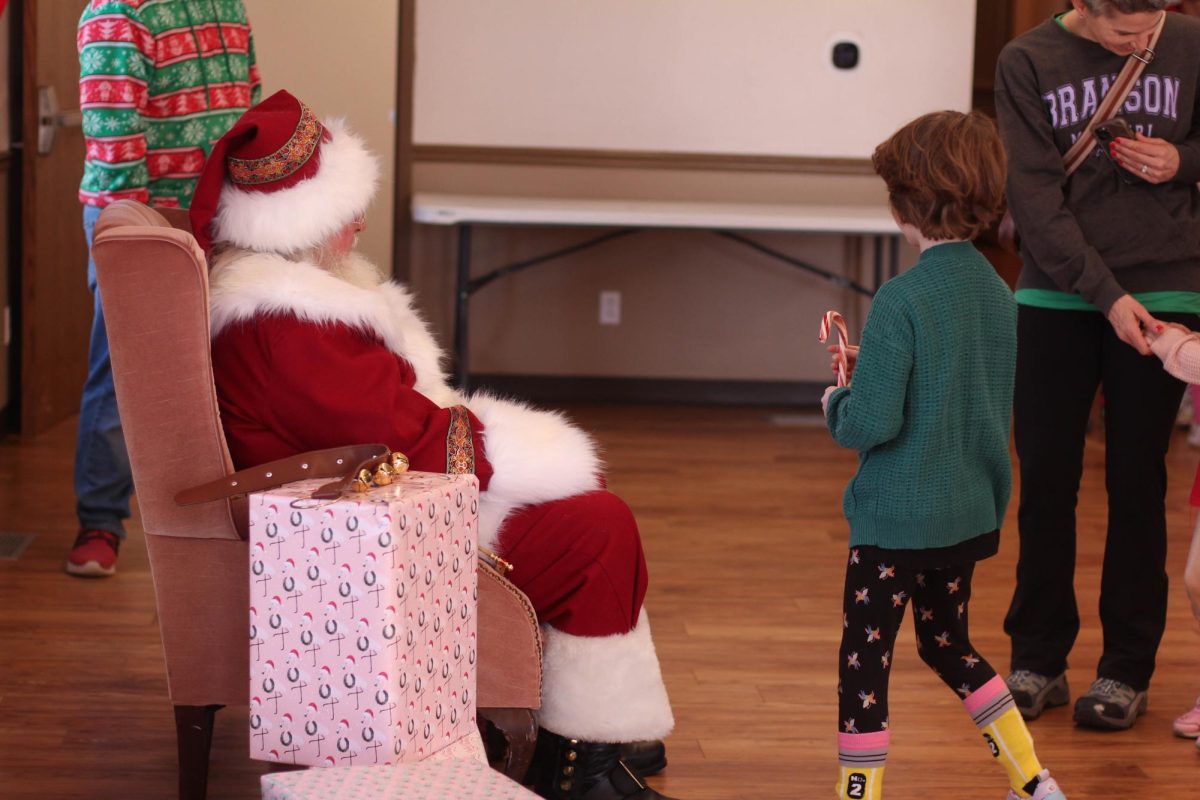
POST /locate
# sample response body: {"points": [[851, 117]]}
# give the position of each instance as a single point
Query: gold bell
{"points": [[383, 475], [362, 481], [399, 462]]}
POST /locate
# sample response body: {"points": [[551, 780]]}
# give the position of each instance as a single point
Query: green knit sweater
{"points": [[930, 405], [160, 81]]}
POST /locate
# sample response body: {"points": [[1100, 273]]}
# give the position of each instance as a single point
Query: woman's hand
{"points": [[851, 359], [1128, 318], [1153, 160]]}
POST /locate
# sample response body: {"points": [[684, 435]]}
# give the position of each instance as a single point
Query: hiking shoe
{"points": [[1034, 693], [1109, 704], [1188, 724], [94, 554], [1047, 789]]}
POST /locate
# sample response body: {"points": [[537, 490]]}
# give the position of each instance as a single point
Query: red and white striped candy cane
{"points": [[834, 319]]}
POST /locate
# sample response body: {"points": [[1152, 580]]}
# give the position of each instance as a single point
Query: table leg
{"points": [[461, 308]]}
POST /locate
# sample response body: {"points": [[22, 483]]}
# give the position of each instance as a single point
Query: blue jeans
{"points": [[103, 480]]}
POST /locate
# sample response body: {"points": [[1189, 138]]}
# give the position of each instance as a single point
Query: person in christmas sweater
{"points": [[312, 349], [159, 82], [1106, 254], [928, 408], [1179, 349]]}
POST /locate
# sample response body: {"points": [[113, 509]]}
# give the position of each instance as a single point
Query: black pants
{"points": [[1062, 356], [876, 594]]}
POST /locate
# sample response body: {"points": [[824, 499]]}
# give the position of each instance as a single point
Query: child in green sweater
{"points": [[928, 408]]}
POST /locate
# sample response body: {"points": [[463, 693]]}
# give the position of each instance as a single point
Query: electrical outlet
{"points": [[610, 308]]}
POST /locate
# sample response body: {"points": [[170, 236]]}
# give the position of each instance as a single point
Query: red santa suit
{"points": [[305, 359]]}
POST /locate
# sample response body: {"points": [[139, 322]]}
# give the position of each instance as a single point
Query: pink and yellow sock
{"points": [[992, 708], [860, 763]]}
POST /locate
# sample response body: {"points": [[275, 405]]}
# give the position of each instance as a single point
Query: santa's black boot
{"points": [[570, 769], [648, 757]]}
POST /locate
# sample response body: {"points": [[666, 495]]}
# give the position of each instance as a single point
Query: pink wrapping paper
{"points": [[441, 780], [362, 621]]}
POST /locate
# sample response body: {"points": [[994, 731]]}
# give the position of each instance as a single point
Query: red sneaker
{"points": [[94, 554]]}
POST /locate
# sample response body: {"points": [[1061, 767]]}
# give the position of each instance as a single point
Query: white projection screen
{"points": [[744, 77]]}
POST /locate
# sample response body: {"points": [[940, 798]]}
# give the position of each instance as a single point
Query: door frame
{"points": [[10, 419]]}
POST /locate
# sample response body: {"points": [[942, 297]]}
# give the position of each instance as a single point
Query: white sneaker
{"points": [[1047, 789]]}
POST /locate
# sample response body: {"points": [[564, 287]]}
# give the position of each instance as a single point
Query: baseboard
{"points": [[674, 391]]}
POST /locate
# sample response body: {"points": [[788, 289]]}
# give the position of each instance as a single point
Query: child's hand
{"points": [[1159, 330], [1153, 331], [825, 399], [851, 359]]}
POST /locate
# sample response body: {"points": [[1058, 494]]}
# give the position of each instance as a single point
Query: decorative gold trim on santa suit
{"points": [[284, 162], [460, 444]]}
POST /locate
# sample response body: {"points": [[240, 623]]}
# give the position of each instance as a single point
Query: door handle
{"points": [[50, 119]]}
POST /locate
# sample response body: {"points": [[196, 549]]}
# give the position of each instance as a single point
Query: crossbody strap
{"points": [[1112, 102]]}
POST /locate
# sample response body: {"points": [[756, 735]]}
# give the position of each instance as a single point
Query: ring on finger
{"points": [[1145, 168]]}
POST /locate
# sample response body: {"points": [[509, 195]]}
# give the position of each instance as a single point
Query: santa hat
{"points": [[280, 181]]}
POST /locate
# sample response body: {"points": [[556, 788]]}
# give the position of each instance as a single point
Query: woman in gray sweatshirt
{"points": [[1108, 252]]}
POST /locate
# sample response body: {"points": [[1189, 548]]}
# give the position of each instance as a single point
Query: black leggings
{"points": [[1062, 356], [876, 594]]}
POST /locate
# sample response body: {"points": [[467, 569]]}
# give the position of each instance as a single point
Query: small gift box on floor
{"points": [[362, 621], [429, 780]]}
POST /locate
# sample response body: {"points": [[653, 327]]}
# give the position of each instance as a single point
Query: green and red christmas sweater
{"points": [[160, 81]]}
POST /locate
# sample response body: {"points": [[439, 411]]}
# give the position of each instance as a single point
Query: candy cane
{"points": [[834, 319]]}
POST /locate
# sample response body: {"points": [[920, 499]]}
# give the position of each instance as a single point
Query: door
{"points": [[8, 207], [56, 309]]}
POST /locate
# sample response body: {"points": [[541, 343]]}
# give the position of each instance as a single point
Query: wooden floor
{"points": [[743, 529]]}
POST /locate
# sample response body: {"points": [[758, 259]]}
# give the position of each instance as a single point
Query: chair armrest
{"points": [[510, 645]]}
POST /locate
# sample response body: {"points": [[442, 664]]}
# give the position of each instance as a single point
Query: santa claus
{"points": [[312, 349]]}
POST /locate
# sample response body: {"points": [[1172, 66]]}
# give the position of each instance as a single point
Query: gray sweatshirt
{"points": [[1093, 234]]}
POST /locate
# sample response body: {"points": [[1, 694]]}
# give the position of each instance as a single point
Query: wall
{"points": [[340, 58], [694, 306], [718, 76]]}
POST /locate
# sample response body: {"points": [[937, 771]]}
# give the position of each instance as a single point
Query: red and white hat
{"points": [[280, 181]]}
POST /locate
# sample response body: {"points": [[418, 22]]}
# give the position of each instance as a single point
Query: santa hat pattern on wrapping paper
{"points": [[281, 181]]}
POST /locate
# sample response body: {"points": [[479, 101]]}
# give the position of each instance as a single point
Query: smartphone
{"points": [[1106, 132], [1115, 128]]}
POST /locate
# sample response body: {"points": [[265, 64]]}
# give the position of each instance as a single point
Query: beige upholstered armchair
{"points": [[154, 286]]}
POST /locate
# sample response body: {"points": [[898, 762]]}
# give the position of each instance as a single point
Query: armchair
{"points": [[154, 283]]}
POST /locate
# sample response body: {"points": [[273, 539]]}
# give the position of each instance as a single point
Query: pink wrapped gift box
{"points": [[429, 780], [362, 621]]}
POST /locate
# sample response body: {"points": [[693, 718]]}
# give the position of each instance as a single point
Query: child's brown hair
{"points": [[945, 174]]}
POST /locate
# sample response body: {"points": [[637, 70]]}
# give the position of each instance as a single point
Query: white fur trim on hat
{"points": [[604, 688], [305, 215]]}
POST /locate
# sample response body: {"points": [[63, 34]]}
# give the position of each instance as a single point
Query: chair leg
{"points": [[519, 729], [194, 733]]}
